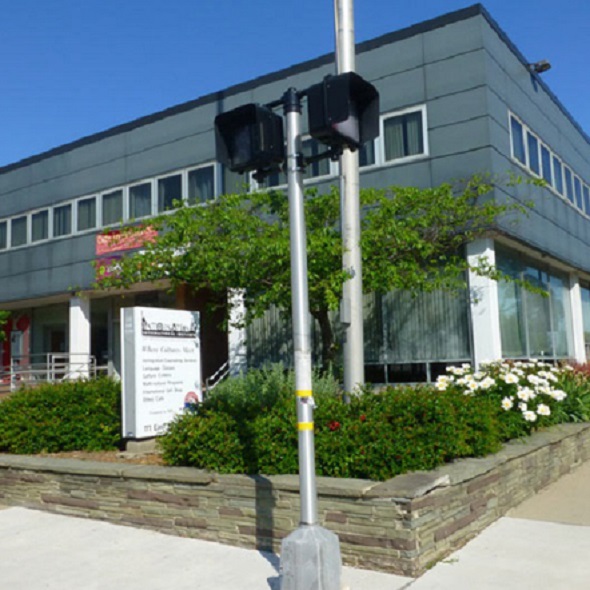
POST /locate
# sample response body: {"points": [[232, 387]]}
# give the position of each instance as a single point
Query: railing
{"points": [[213, 381], [46, 368]]}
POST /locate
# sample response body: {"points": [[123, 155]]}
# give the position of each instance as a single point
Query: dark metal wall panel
{"points": [[553, 226]]}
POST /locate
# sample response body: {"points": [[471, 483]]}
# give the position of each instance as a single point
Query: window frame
{"points": [[49, 212], [380, 157], [216, 171]]}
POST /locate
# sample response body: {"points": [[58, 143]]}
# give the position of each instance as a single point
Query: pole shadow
{"points": [[265, 537]]}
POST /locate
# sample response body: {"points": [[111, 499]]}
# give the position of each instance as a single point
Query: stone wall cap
{"points": [[409, 485], [102, 469]]}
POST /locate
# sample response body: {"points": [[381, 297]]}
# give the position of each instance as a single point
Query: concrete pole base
{"points": [[310, 560]]}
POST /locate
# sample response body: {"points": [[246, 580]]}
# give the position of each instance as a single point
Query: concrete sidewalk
{"points": [[543, 544], [41, 551]]}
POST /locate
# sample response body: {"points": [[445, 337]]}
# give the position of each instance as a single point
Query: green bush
{"points": [[376, 436], [69, 416], [401, 429], [207, 440], [258, 411]]}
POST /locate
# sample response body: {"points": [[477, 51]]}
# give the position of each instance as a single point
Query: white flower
{"points": [[462, 381], [522, 407], [472, 385], [558, 395], [525, 394], [466, 366], [507, 403], [543, 410], [479, 375], [518, 372], [529, 416], [441, 385], [552, 377], [533, 379], [456, 370], [544, 389], [487, 383], [510, 378]]}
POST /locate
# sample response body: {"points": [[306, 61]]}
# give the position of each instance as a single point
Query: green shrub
{"points": [[527, 395], [576, 384], [401, 429], [69, 416], [249, 425], [207, 440], [258, 412]]}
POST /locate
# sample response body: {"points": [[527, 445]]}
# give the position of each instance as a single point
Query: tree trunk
{"points": [[328, 343]]}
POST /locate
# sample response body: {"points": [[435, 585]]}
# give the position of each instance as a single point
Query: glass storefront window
{"points": [[533, 324]]}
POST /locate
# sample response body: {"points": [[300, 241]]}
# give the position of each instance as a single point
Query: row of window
{"points": [[528, 149], [143, 199], [403, 137]]}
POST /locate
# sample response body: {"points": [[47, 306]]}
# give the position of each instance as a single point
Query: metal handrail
{"points": [[53, 367], [214, 380]]}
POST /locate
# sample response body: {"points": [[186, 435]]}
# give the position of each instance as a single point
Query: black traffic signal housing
{"points": [[249, 137], [343, 111]]}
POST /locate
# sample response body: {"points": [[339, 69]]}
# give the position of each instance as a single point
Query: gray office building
{"points": [[457, 98]]}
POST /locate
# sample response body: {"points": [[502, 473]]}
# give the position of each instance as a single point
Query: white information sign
{"points": [[161, 367]]}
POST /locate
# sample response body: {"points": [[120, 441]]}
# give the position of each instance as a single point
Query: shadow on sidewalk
{"points": [[265, 537]]}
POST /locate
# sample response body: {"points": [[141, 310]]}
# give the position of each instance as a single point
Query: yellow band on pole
{"points": [[305, 426], [303, 393]]}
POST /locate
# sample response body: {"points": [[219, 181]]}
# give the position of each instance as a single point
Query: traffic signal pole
{"points": [[310, 555], [351, 313], [300, 305]]}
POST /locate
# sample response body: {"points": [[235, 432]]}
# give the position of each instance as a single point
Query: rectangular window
{"points": [[3, 235], [40, 226], [140, 200], [518, 151], [18, 231], [569, 184], [558, 174], [546, 163], [312, 147], [201, 185], [273, 180], [403, 136], [62, 221], [578, 192], [367, 154], [586, 193], [533, 145], [169, 191], [531, 324], [87, 214], [112, 207]]}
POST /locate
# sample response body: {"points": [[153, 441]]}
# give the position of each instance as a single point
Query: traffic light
{"points": [[249, 138], [343, 111]]}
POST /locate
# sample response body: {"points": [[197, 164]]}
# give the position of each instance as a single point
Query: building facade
{"points": [[457, 98]]}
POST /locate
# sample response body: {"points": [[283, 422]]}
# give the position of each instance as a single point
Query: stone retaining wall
{"points": [[402, 525]]}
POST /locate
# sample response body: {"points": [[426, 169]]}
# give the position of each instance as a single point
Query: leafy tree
{"points": [[3, 318], [411, 239]]}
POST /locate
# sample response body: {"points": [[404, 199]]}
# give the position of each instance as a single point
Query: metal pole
{"points": [[352, 296], [310, 555], [300, 303]]}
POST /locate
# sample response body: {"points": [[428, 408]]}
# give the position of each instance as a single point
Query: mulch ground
{"points": [[110, 457]]}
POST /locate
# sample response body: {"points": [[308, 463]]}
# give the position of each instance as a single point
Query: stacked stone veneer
{"points": [[402, 525]]}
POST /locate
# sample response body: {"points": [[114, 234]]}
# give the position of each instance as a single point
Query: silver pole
{"points": [[352, 296], [300, 303]]}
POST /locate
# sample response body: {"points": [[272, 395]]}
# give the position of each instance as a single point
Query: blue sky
{"points": [[71, 68]]}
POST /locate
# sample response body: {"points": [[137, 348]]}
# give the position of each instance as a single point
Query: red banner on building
{"points": [[116, 241]]}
